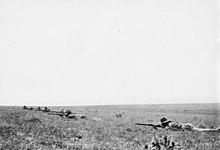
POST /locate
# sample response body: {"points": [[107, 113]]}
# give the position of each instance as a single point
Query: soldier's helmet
{"points": [[68, 112], [164, 119]]}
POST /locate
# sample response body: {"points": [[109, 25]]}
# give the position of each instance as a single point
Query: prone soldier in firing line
{"points": [[67, 114], [176, 126], [163, 123]]}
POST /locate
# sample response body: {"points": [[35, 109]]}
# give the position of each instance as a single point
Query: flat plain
{"points": [[104, 129]]}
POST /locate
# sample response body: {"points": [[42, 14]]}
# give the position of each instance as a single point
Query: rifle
{"points": [[58, 114], [151, 125]]}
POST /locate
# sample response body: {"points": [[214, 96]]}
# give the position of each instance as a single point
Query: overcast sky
{"points": [[84, 52]]}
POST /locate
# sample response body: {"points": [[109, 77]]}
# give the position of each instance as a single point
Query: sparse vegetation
{"points": [[103, 129]]}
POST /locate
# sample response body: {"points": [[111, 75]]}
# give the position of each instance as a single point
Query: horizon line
{"points": [[87, 105]]}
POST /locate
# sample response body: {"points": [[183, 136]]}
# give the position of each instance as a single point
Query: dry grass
{"points": [[23, 129]]}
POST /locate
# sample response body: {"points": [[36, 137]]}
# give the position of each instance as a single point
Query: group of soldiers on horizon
{"points": [[38, 109], [63, 113]]}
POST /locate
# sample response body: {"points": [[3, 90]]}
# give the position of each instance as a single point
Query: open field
{"points": [[24, 129]]}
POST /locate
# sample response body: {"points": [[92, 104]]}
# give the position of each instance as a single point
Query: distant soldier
{"points": [[25, 107], [38, 109], [63, 113], [46, 109]]}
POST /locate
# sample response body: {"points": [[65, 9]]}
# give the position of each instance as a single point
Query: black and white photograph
{"points": [[109, 74]]}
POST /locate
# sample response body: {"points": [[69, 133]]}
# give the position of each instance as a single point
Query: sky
{"points": [[101, 52]]}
